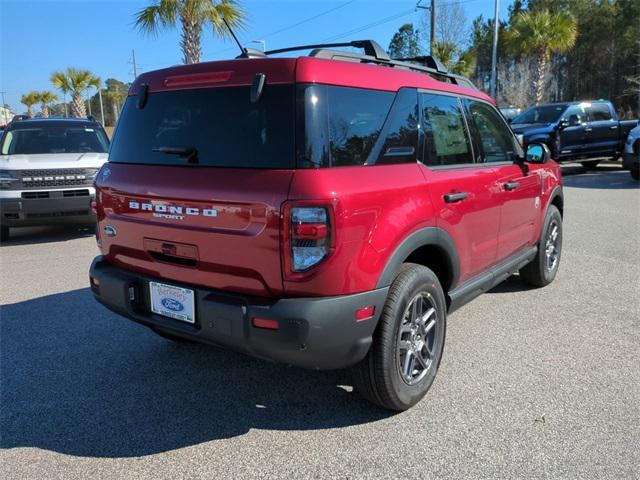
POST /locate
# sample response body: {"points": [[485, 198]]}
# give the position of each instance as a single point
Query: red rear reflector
{"points": [[365, 313], [197, 79], [310, 230], [266, 323]]}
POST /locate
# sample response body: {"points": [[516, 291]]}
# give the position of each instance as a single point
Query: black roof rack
{"points": [[373, 53]]}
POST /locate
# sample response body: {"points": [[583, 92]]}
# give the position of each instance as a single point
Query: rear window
{"points": [[46, 139], [599, 112], [344, 126], [220, 125]]}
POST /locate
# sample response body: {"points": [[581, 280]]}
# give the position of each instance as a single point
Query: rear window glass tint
{"points": [[339, 126], [221, 124]]}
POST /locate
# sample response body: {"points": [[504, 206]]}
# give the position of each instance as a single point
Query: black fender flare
{"points": [[557, 192], [429, 236]]}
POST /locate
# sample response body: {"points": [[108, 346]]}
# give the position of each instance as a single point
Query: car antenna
{"points": [[244, 53]]}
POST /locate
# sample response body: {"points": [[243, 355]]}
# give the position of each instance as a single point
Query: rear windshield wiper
{"points": [[190, 153]]}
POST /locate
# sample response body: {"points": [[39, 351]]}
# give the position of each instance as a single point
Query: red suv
{"points": [[325, 211]]}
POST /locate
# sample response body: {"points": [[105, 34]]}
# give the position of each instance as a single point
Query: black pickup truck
{"points": [[575, 131]]}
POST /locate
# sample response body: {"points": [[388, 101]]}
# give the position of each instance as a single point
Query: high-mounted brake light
{"points": [[308, 237], [192, 79]]}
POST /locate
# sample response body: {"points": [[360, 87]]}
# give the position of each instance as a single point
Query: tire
{"points": [[378, 377], [173, 338], [590, 165], [635, 173], [540, 272], [4, 233]]}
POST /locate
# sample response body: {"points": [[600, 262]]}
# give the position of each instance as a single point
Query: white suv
{"points": [[47, 168]]}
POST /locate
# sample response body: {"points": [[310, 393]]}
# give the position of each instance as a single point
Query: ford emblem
{"points": [[110, 231], [172, 304]]}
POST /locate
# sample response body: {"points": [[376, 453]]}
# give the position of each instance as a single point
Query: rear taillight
{"points": [[308, 237]]}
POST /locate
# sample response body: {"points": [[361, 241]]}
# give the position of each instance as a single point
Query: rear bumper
{"points": [[56, 208], [630, 160], [319, 333]]}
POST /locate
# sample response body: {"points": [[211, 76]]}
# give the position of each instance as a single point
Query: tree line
{"points": [[548, 50]]}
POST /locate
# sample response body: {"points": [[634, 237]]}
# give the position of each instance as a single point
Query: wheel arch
{"points": [[432, 247], [557, 199]]}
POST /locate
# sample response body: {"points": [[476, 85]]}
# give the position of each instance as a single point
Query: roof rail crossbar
{"points": [[374, 53], [370, 48], [427, 61]]}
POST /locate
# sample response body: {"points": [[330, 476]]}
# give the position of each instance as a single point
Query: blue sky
{"points": [[38, 37]]}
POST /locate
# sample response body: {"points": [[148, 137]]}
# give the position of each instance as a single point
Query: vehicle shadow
{"points": [[79, 380], [511, 285], [47, 234], [605, 177]]}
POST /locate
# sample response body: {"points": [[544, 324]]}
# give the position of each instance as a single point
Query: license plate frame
{"points": [[173, 302]]}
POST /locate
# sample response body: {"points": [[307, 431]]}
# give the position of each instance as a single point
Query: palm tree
{"points": [[76, 82], [461, 63], [194, 15], [30, 99], [540, 33], [46, 98]]}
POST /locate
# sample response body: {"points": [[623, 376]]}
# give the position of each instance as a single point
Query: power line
{"points": [[387, 20], [369, 25], [294, 25], [307, 19]]}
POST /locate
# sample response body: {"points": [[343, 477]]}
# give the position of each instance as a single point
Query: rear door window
{"points": [[220, 125], [598, 112], [446, 140]]}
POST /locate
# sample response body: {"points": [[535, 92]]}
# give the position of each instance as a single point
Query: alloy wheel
{"points": [[416, 338]]}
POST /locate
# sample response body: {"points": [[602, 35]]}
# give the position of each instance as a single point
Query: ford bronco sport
{"points": [[325, 211]]}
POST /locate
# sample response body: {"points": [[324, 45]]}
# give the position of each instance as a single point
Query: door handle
{"points": [[511, 186], [455, 197], [614, 127], [588, 129]]}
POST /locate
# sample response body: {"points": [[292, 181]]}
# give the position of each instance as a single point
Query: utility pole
{"points": [[432, 34], [4, 110], [101, 106], [432, 38], [89, 102], [494, 54], [133, 61]]}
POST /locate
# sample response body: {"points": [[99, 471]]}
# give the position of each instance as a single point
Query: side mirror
{"points": [[564, 123], [538, 153]]}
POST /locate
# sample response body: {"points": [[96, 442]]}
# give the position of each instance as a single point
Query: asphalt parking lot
{"points": [[534, 383]]}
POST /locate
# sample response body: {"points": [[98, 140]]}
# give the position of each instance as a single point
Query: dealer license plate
{"points": [[173, 302]]}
